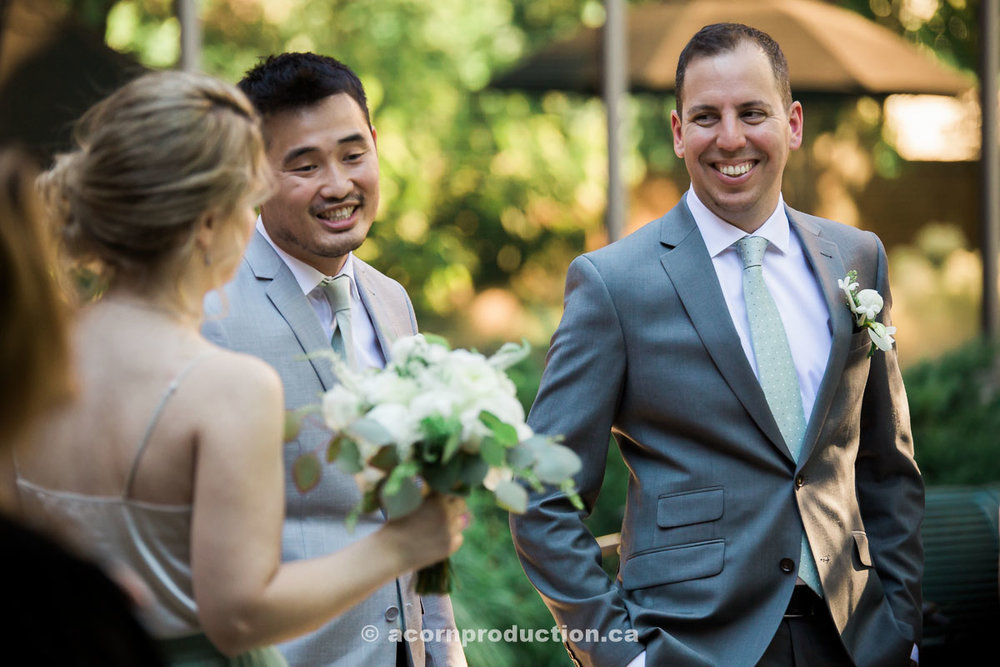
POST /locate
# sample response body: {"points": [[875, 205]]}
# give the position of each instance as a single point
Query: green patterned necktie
{"points": [[338, 293], [775, 369]]}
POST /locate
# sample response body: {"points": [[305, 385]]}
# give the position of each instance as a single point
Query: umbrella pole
{"points": [[614, 76], [187, 16], [989, 165]]}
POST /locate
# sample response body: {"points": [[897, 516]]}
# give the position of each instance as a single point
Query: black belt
{"points": [[804, 602]]}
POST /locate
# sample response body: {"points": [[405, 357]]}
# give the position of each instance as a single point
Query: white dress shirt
{"points": [[795, 290], [366, 346]]}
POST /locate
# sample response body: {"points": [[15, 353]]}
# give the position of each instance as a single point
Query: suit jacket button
{"points": [[392, 613], [787, 565], [800, 481]]}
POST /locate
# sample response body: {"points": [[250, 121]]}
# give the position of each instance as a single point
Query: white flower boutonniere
{"points": [[865, 305]]}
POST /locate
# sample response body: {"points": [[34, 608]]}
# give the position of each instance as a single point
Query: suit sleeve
{"points": [[578, 399], [438, 615], [890, 488]]}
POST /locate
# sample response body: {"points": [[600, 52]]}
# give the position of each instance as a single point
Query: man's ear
{"points": [[374, 136], [675, 128], [795, 124]]}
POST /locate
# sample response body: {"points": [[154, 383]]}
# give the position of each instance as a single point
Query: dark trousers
{"points": [[807, 636]]}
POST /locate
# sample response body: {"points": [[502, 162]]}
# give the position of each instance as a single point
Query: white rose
{"points": [[396, 419], [472, 375], [340, 407], [440, 402], [387, 387], [869, 303]]}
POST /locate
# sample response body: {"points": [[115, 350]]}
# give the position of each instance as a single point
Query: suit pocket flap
{"points": [[861, 542], [672, 564], [684, 509]]}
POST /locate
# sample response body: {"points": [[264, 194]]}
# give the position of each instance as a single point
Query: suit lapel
{"points": [[285, 294], [385, 329], [690, 269], [828, 266]]}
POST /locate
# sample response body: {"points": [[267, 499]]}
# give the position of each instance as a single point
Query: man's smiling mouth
{"points": [[337, 214], [736, 169]]}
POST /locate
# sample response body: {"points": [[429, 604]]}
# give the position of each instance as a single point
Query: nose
{"points": [[730, 136], [337, 182]]}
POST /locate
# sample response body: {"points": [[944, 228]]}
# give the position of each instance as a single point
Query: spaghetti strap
{"points": [[171, 388]]}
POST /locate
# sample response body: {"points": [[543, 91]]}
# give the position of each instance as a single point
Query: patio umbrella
{"points": [[829, 50]]}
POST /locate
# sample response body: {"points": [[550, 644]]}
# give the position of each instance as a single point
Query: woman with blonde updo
{"points": [[168, 463]]}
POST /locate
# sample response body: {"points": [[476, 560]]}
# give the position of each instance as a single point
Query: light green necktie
{"points": [[775, 369], [338, 293]]}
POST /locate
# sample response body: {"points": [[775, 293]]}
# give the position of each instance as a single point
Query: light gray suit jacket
{"points": [[264, 313], [710, 540]]}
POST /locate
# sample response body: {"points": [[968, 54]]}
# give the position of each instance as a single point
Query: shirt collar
{"points": [[720, 235], [306, 276]]}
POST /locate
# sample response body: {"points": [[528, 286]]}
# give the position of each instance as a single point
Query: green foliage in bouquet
{"points": [[435, 420]]}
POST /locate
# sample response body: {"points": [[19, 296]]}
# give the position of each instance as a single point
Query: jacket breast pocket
{"points": [[689, 507]]}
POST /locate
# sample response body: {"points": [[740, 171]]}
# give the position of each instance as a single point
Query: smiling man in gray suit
{"points": [[321, 144], [773, 505]]}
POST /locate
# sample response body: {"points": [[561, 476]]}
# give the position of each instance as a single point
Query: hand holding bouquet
{"points": [[435, 419]]}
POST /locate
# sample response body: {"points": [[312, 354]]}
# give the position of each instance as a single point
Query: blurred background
{"points": [[493, 180]]}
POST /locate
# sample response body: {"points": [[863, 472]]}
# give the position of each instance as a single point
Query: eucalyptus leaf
{"points": [[474, 470], [505, 434], [293, 424], [370, 431], [511, 496], [306, 472], [405, 499], [493, 452], [520, 457], [386, 458], [334, 447], [556, 463], [349, 458], [444, 478]]}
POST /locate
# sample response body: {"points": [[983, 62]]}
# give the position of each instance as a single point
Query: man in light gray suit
{"points": [[770, 523], [321, 144]]}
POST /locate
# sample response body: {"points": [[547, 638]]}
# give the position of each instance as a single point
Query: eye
{"points": [[303, 168], [704, 119], [354, 156], [754, 115]]}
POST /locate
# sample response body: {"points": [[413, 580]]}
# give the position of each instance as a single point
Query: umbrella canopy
{"points": [[829, 50]]}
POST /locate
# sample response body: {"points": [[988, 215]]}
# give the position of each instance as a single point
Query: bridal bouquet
{"points": [[435, 419]]}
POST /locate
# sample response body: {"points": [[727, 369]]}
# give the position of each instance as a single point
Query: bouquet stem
{"points": [[434, 579]]}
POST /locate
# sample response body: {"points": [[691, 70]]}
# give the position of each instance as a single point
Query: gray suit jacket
{"points": [[647, 350], [264, 313]]}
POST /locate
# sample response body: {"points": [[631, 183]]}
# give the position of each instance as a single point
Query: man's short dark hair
{"points": [[723, 37], [290, 81]]}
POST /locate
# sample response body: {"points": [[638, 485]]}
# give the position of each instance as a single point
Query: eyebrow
{"points": [[699, 108], [303, 150]]}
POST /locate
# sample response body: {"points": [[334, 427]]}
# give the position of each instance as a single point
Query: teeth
{"points": [[735, 169], [338, 214]]}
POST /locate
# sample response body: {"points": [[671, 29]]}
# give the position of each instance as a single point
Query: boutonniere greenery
{"points": [[865, 305]]}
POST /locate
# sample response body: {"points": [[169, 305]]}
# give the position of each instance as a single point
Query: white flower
{"points": [[848, 286], [389, 388], [881, 335], [869, 303], [866, 305], [396, 419], [340, 407]]}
